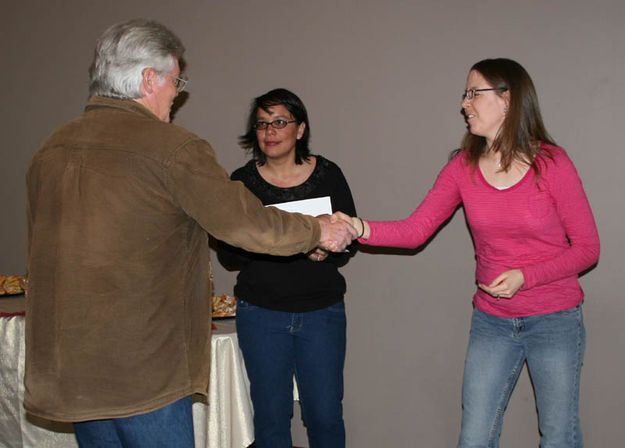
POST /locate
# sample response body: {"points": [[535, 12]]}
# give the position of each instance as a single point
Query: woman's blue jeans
{"points": [[168, 427], [553, 347], [277, 345]]}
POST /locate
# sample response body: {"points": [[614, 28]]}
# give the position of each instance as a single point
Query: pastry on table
{"points": [[224, 306], [12, 284]]}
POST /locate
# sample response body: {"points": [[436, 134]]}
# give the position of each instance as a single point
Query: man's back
{"points": [[111, 255]]}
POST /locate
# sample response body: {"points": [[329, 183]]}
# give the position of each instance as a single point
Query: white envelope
{"points": [[312, 207]]}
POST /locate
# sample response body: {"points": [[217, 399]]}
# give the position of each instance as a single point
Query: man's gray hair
{"points": [[125, 50]]}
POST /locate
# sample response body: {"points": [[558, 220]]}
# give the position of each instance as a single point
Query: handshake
{"points": [[338, 230]]}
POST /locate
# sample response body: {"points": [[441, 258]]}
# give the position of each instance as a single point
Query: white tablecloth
{"points": [[225, 423], [230, 412]]}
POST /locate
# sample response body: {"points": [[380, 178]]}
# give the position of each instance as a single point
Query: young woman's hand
{"points": [[361, 226], [506, 285]]}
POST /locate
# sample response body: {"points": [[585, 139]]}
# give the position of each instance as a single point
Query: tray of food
{"points": [[12, 285], [224, 306]]}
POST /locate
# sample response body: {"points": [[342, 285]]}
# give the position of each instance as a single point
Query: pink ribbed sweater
{"points": [[547, 230]]}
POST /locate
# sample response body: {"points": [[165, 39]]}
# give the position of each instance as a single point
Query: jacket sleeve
{"points": [[229, 211]]}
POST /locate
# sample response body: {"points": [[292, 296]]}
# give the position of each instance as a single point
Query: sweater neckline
{"points": [[269, 184], [503, 190], [289, 193]]}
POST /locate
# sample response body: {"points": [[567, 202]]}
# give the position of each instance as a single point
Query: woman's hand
{"points": [[505, 285], [336, 233], [361, 226], [318, 254]]}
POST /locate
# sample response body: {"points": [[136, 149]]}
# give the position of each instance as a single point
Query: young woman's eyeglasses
{"points": [[470, 94], [276, 124]]}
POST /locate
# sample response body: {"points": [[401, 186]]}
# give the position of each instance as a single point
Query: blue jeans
{"points": [[553, 347], [275, 346], [167, 427]]}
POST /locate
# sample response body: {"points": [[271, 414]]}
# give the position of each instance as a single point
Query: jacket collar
{"points": [[100, 102]]}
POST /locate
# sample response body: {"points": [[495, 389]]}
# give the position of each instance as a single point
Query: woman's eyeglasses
{"points": [[470, 94], [276, 124]]}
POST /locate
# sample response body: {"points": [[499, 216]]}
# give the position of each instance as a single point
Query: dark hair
{"points": [[293, 104], [522, 131]]}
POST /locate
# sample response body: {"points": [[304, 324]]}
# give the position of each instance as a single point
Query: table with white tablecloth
{"points": [[228, 419], [225, 423]]}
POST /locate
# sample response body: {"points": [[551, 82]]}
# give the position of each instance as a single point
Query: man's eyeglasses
{"points": [[179, 83], [276, 124], [470, 94]]}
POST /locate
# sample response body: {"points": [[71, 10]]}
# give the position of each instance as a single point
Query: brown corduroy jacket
{"points": [[120, 206]]}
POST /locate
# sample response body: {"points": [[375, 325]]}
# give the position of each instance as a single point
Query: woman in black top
{"points": [[291, 315]]}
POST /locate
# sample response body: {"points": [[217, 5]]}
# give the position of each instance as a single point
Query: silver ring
{"points": [[497, 296], [318, 257]]}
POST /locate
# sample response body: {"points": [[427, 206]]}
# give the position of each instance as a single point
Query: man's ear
{"points": [[149, 77]]}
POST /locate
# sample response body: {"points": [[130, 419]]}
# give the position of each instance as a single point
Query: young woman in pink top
{"points": [[534, 233]]}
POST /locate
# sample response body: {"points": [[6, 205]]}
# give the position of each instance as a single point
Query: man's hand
{"points": [[336, 234], [361, 226]]}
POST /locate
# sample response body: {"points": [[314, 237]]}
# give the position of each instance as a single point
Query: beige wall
{"points": [[382, 82]]}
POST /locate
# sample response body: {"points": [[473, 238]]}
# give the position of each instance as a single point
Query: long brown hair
{"points": [[522, 131]]}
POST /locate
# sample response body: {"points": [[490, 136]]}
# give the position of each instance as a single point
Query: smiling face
{"points": [[486, 111], [278, 143]]}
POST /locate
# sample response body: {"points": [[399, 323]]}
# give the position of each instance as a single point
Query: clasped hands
{"points": [[505, 285], [337, 232]]}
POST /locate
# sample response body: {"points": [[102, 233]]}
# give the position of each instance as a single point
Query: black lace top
{"points": [[294, 284]]}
